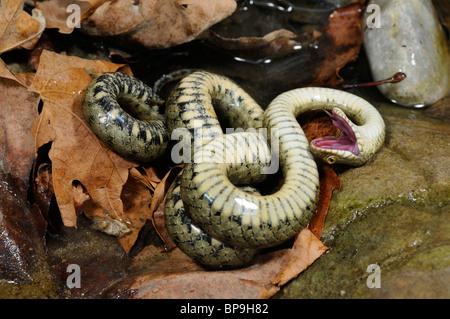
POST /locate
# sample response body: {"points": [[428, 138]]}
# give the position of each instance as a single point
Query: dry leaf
{"points": [[19, 254], [136, 199], [157, 23], [174, 275], [43, 192], [157, 206], [18, 109], [329, 181], [307, 248], [17, 28], [57, 12], [343, 38], [159, 224], [76, 153]]}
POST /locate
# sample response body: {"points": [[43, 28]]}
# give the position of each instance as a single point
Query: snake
{"points": [[211, 212]]}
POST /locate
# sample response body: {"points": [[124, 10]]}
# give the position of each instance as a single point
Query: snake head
{"points": [[344, 149]]}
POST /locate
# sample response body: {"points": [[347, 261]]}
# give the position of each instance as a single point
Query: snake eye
{"points": [[331, 159]]}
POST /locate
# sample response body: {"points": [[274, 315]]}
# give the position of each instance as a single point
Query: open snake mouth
{"points": [[345, 142]]}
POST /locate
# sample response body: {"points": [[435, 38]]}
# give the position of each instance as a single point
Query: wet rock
{"points": [[391, 213], [24, 270], [409, 244], [409, 39], [98, 258]]}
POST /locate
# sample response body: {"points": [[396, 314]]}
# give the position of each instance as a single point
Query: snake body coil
{"points": [[139, 132], [210, 213]]}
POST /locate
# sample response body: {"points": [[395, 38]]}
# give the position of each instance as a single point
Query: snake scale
{"points": [[211, 211]]}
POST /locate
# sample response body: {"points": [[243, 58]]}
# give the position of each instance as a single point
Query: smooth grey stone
{"points": [[410, 39]]}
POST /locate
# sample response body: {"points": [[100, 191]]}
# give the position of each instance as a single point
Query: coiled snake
{"points": [[227, 223]]}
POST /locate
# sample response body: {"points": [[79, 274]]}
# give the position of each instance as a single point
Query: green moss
{"points": [[396, 237], [41, 285]]}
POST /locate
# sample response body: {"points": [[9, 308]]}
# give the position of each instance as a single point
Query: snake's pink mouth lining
{"points": [[345, 142]]}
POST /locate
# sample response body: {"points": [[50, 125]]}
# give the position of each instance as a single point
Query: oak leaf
{"points": [[76, 153]]}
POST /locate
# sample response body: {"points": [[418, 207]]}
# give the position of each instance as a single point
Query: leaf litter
{"points": [[86, 177]]}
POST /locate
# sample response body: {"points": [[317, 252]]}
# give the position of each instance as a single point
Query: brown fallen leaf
{"points": [[151, 23], [43, 192], [57, 12], [306, 249], [329, 181], [159, 224], [157, 23], [136, 198], [17, 28], [76, 153], [157, 206], [151, 175], [174, 275], [342, 40], [21, 256], [18, 109]]}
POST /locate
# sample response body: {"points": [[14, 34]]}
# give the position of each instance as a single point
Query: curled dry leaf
{"points": [[157, 206], [17, 28], [136, 198]]}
